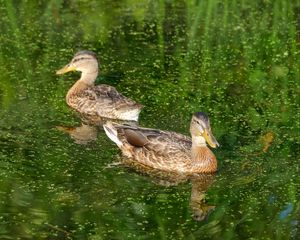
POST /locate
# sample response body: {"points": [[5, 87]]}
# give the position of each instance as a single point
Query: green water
{"points": [[239, 61]]}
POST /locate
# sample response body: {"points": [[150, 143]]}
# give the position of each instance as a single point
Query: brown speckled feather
{"points": [[96, 102], [164, 150], [101, 100]]}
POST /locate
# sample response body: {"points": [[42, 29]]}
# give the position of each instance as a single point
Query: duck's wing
{"points": [[159, 142], [158, 149], [109, 92], [104, 100]]}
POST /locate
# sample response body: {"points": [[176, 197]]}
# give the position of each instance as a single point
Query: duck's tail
{"points": [[131, 114], [112, 133]]}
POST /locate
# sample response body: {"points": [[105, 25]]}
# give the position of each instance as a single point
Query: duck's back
{"points": [[104, 101], [163, 150]]}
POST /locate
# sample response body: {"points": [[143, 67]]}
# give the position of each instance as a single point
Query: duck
{"points": [[165, 150], [101, 101]]}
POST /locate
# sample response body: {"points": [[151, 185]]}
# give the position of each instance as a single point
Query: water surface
{"points": [[237, 61]]}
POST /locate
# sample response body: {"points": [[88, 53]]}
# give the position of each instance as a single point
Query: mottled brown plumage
{"points": [[97, 101], [168, 151]]}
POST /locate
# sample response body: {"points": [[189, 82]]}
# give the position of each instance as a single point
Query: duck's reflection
{"points": [[83, 134], [200, 183], [100, 121], [87, 132]]}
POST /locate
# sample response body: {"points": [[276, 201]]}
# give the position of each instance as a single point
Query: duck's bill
{"points": [[210, 139], [65, 69]]}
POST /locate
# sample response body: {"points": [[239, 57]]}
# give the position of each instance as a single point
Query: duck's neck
{"points": [[89, 77], [203, 159], [198, 141], [86, 80]]}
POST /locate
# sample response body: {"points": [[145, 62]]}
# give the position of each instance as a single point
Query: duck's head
{"points": [[83, 61], [201, 130]]}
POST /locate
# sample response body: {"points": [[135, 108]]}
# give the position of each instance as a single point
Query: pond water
{"points": [[239, 61]]}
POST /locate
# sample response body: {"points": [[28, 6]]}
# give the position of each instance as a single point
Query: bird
{"points": [[100, 101], [165, 150]]}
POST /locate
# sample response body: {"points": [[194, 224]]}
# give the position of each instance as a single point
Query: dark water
{"points": [[237, 61]]}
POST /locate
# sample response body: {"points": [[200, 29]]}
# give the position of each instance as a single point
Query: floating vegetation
{"points": [[239, 61]]}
